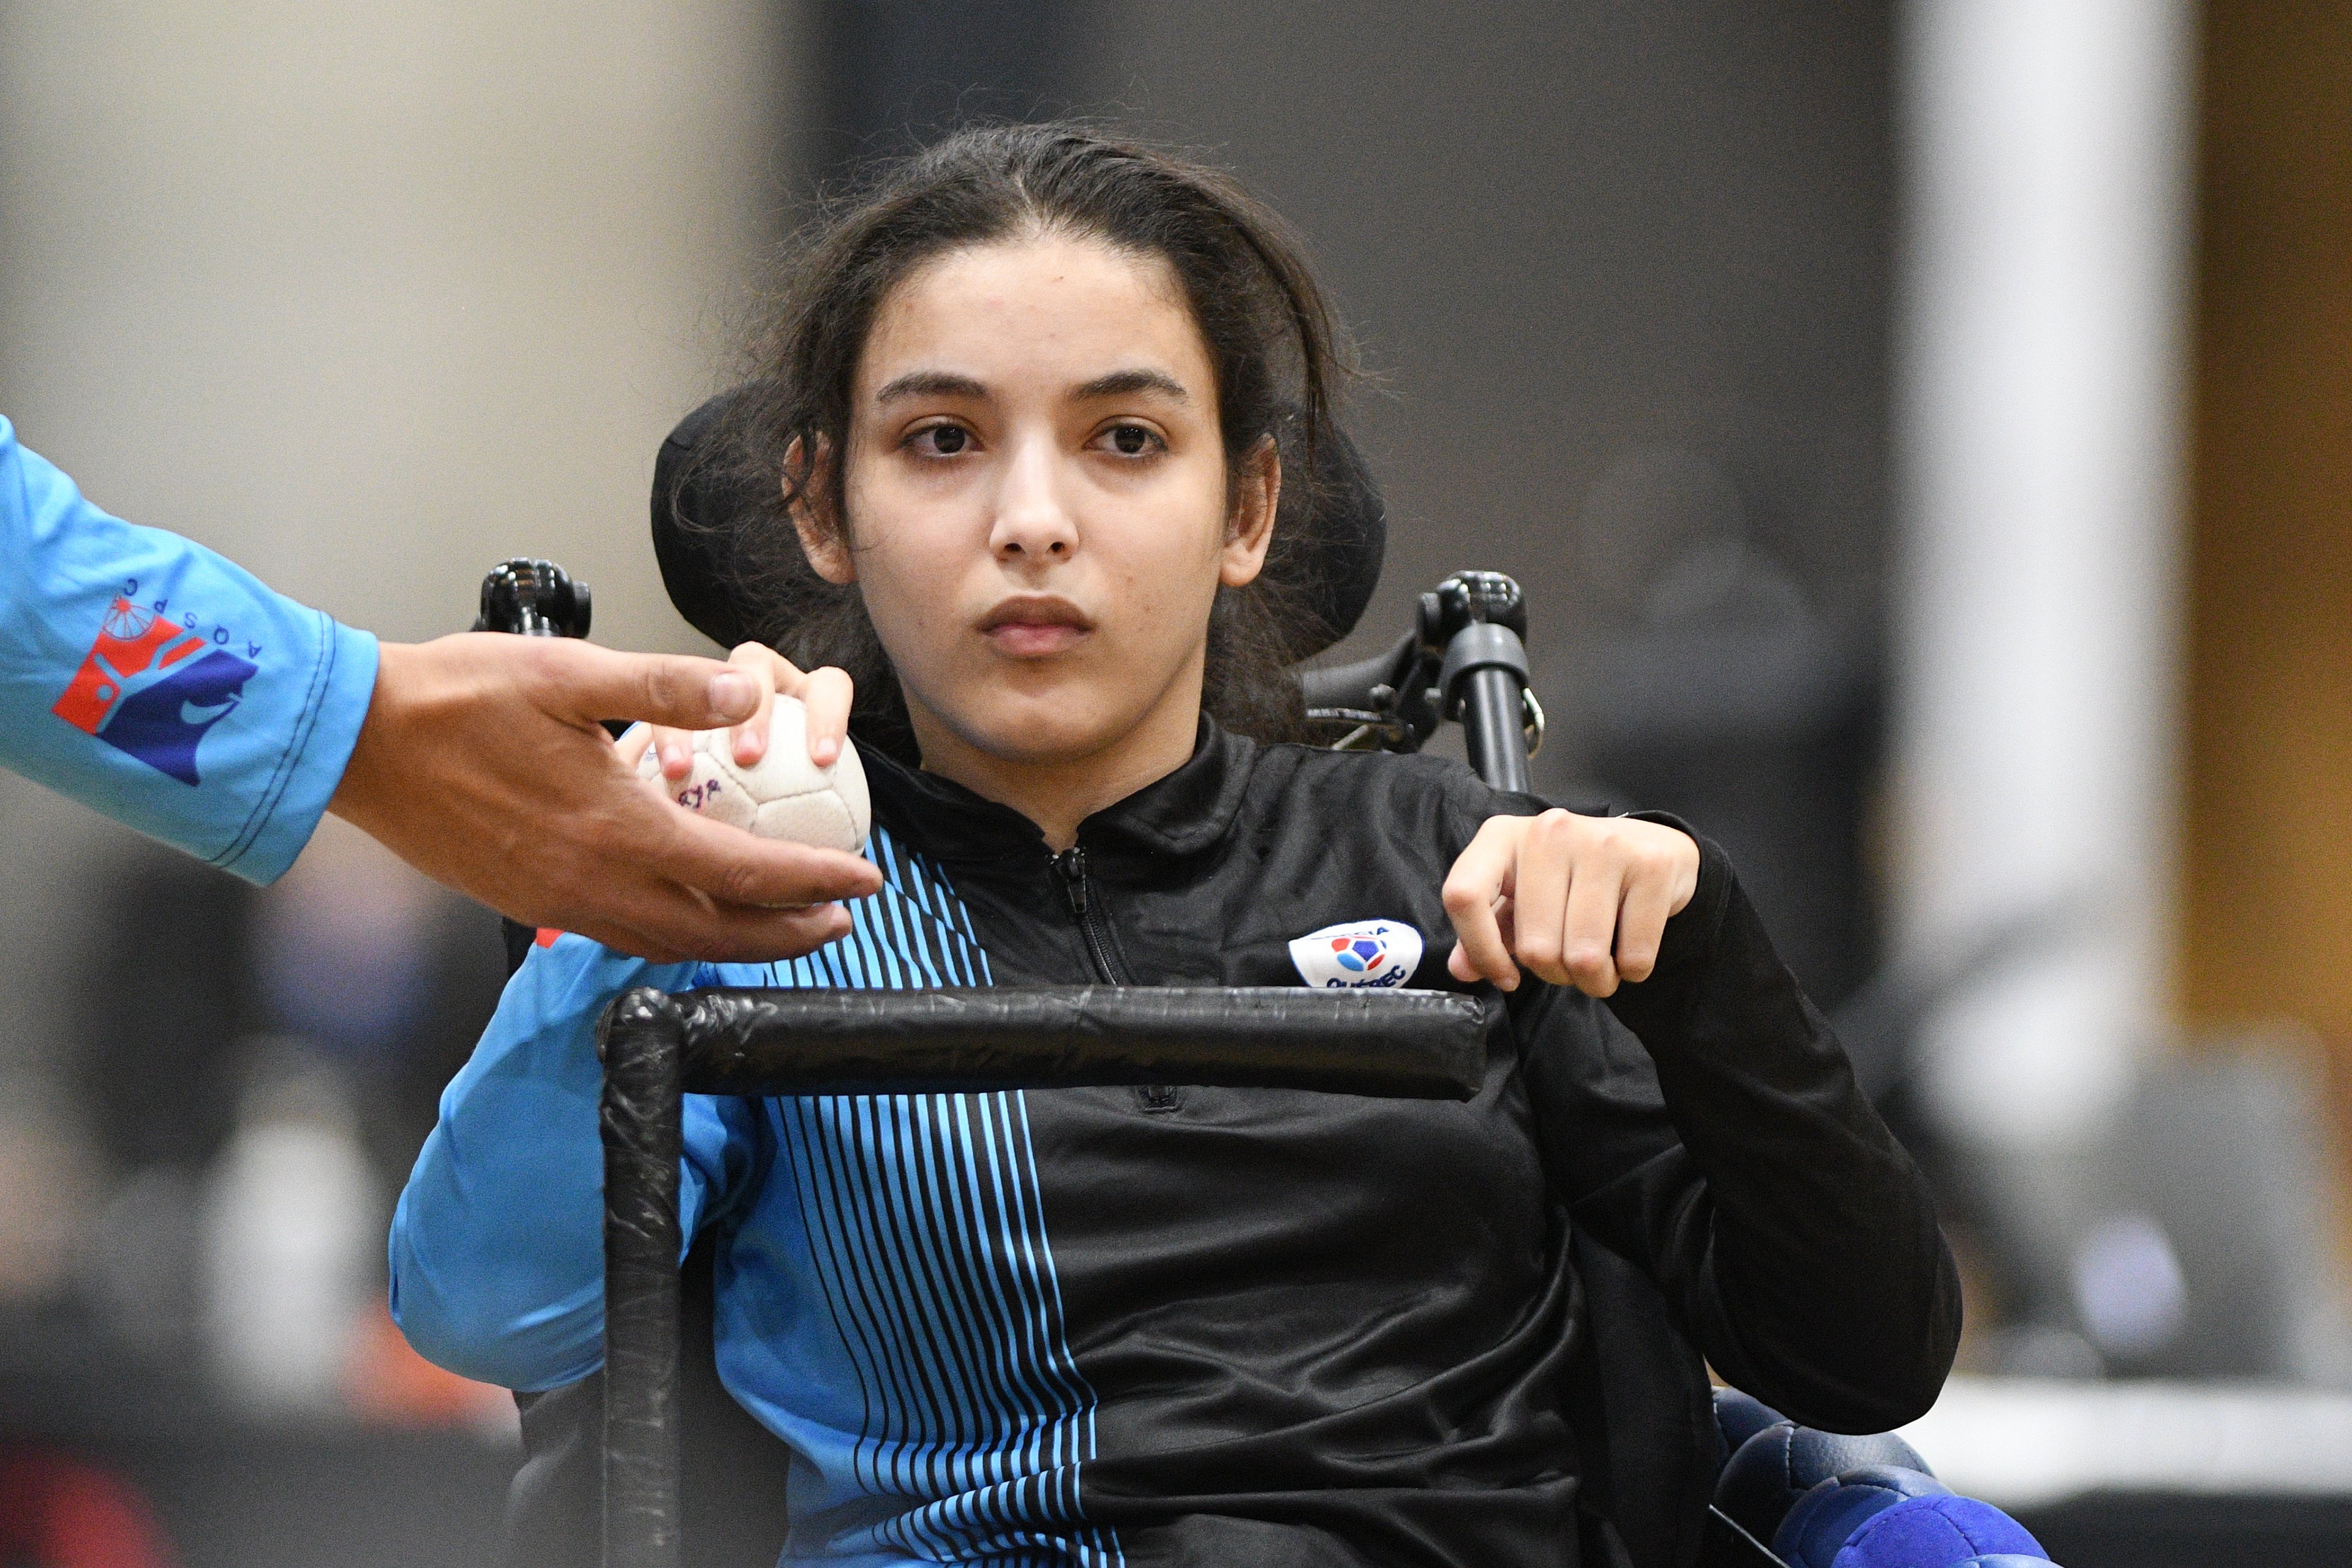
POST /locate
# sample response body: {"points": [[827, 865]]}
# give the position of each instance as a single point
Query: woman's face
{"points": [[1036, 499]]}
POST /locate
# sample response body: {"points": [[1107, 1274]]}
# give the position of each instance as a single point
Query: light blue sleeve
{"points": [[497, 1246], [150, 678]]}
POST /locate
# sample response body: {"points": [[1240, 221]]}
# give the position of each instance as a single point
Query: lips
{"points": [[1028, 626]]}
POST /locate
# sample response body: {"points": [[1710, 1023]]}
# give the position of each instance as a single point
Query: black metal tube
{"points": [[1409, 1045], [1494, 717], [641, 1038]]}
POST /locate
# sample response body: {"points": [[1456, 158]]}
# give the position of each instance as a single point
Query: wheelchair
{"points": [[650, 1463]]}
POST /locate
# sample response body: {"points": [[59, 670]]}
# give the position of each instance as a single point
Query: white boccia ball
{"points": [[784, 794]]}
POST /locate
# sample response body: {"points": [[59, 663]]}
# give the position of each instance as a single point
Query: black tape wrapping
{"points": [[1419, 1045], [1422, 1044], [640, 1037]]}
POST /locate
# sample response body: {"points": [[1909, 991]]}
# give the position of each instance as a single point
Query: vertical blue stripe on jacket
{"points": [[920, 1224], [887, 1300]]}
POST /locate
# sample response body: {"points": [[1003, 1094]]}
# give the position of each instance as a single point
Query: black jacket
{"points": [[1323, 1329]]}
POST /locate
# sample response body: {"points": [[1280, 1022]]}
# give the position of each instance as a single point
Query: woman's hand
{"points": [[1579, 900], [824, 692]]}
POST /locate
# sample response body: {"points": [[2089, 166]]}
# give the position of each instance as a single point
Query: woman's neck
{"points": [[1057, 793]]}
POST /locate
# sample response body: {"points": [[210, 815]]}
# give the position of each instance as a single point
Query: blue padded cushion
{"points": [[2006, 1559], [1779, 1464], [1832, 1512], [1739, 1417], [1936, 1532]]}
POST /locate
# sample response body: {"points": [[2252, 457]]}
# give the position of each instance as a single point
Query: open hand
{"points": [[1577, 901]]}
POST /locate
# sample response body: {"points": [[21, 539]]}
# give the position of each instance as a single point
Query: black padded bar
{"points": [[640, 1041], [1422, 1044], [1399, 1045]]}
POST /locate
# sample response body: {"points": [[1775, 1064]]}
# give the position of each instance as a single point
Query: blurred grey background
{"points": [[1920, 429]]}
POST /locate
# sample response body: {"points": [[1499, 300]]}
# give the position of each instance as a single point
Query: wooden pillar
{"points": [[2265, 932]]}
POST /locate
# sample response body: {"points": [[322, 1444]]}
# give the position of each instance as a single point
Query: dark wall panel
{"points": [[1623, 271]]}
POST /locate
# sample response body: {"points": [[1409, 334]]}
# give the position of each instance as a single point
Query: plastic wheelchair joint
{"points": [[1481, 645]]}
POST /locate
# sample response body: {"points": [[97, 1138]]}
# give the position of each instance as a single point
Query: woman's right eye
{"points": [[939, 440]]}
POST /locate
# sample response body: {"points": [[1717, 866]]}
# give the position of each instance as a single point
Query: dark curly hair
{"points": [[1272, 339]]}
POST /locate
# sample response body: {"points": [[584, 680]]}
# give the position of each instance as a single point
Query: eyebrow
{"points": [[1127, 383], [930, 383], [1117, 384]]}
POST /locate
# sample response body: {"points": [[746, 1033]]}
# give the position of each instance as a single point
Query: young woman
{"points": [[1031, 395]]}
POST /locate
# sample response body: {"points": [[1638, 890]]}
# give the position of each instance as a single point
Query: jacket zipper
{"points": [[1071, 865]]}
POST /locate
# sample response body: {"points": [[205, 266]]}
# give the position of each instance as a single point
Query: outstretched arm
{"points": [[162, 685]]}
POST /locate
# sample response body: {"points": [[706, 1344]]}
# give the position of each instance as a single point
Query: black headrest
{"points": [[1340, 516], [693, 503]]}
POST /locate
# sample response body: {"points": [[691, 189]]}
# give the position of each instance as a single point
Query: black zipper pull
{"points": [[1071, 863]]}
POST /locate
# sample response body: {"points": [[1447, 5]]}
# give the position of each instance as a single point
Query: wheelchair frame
{"points": [[1465, 660], [656, 1047]]}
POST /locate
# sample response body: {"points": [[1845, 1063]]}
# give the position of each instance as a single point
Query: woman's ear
{"points": [[1250, 530], [815, 519]]}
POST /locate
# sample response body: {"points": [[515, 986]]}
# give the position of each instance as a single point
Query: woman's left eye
{"points": [[1132, 440]]}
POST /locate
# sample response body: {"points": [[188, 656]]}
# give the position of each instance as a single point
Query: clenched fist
{"points": [[1576, 901]]}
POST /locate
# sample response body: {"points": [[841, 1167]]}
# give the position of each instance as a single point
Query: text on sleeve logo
{"points": [[1362, 953], [152, 687]]}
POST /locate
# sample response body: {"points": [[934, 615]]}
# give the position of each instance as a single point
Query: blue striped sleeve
{"points": [[163, 686]]}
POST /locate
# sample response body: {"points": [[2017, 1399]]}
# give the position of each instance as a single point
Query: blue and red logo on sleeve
{"points": [[153, 688]]}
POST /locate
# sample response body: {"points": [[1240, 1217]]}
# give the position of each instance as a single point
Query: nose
{"points": [[1032, 522]]}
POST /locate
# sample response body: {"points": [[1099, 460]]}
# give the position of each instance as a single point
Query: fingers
{"points": [[755, 936], [824, 696], [481, 764], [677, 695], [673, 924], [1589, 927], [1481, 877], [697, 888], [674, 747], [826, 693], [585, 683], [1642, 925], [1573, 901], [716, 892], [1660, 884], [1569, 882], [1540, 899], [771, 672], [730, 867]]}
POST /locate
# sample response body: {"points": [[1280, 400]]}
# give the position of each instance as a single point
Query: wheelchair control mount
{"points": [[1466, 659], [533, 599]]}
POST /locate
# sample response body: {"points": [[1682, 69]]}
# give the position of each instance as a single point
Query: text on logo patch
{"points": [[1360, 952], [151, 687]]}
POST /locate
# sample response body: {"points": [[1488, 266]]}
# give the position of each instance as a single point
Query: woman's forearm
{"points": [[1823, 1276], [497, 1247]]}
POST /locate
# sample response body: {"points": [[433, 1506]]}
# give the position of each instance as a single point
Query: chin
{"points": [[1044, 729]]}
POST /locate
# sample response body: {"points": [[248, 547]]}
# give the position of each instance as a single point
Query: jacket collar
{"points": [[1182, 813]]}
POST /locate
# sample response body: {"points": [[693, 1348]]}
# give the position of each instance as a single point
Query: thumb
{"points": [[679, 691]]}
